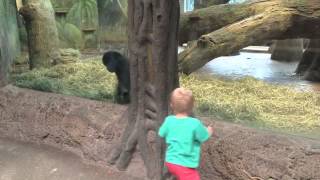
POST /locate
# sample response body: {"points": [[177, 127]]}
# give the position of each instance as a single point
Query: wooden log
{"points": [[202, 21], [282, 19]]}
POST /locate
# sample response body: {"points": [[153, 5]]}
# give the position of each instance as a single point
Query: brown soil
{"points": [[91, 128], [27, 161]]}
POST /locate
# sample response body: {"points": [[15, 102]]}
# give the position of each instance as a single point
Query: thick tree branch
{"points": [[232, 38], [281, 20], [202, 21]]}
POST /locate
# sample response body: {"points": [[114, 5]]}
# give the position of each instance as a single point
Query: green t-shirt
{"points": [[183, 137]]}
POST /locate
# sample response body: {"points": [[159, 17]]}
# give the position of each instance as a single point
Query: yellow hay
{"points": [[244, 100]]}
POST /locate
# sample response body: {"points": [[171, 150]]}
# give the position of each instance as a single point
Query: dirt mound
{"points": [[244, 153], [90, 129], [85, 127]]}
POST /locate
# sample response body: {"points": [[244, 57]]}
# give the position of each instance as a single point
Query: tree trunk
{"points": [[4, 58], [153, 43], [42, 33], [288, 50], [309, 64], [276, 19], [309, 55], [313, 73], [4, 50], [9, 38]]}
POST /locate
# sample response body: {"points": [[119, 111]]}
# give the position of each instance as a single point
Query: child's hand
{"points": [[210, 130]]}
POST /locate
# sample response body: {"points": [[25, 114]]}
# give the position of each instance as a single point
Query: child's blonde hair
{"points": [[181, 101]]}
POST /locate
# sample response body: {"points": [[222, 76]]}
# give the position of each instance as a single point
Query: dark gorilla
{"points": [[119, 64]]}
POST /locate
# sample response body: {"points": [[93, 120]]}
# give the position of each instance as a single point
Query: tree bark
{"points": [[288, 50], [4, 51], [42, 33], [309, 55], [152, 27], [313, 73], [9, 38], [271, 19], [309, 66], [202, 21], [4, 58]]}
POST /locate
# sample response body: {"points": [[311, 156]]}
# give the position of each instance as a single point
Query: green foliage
{"points": [[122, 4], [112, 21], [244, 100], [54, 3], [116, 33], [64, 4], [70, 35], [84, 14], [91, 40]]}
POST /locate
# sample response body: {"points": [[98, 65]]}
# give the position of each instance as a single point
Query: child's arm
{"points": [[210, 130], [203, 133], [163, 129]]}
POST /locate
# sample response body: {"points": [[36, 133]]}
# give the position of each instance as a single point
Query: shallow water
{"points": [[260, 66]]}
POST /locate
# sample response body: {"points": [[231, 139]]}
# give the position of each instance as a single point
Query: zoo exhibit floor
{"points": [[23, 161], [255, 61], [259, 65]]}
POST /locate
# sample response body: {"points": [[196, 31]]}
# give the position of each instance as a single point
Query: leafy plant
{"points": [[123, 5], [83, 13], [61, 3], [69, 35]]}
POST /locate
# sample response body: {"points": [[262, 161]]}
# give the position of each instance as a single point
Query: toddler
{"points": [[183, 135]]}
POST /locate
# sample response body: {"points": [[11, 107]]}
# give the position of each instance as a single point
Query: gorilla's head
{"points": [[112, 60]]}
